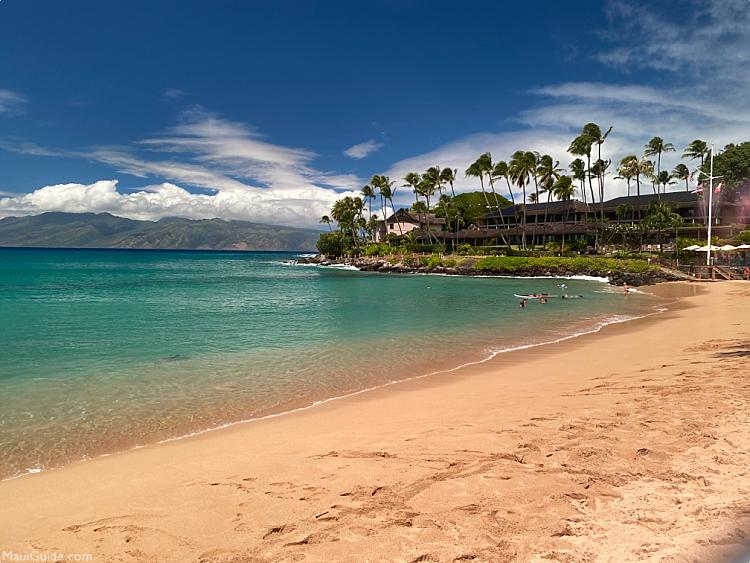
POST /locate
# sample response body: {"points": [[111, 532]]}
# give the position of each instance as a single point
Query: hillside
{"points": [[102, 230]]}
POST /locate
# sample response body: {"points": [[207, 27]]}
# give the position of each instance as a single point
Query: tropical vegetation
{"points": [[531, 177]]}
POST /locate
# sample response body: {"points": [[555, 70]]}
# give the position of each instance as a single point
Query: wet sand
{"points": [[629, 444]]}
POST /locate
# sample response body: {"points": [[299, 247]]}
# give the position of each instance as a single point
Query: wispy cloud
{"points": [[699, 60], [249, 177], [172, 93], [361, 150], [12, 102]]}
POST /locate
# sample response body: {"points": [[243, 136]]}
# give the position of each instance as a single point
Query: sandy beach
{"points": [[629, 444]]}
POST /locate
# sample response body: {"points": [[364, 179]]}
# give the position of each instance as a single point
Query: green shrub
{"points": [[562, 265], [332, 245], [378, 249]]}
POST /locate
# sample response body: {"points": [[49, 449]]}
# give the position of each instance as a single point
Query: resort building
{"points": [[402, 222], [578, 220]]}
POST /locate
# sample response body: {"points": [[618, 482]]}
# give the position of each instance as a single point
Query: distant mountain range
{"points": [[102, 230]]}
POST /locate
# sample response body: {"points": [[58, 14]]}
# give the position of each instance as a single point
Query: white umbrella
{"points": [[692, 247], [743, 247], [705, 248], [728, 248]]}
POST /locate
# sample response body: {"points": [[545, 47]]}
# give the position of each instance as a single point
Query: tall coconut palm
{"points": [[628, 169], [657, 146], [521, 167], [501, 170], [476, 169], [368, 194], [564, 190], [600, 171], [581, 146], [682, 172], [426, 189], [578, 169], [449, 175], [325, 219], [595, 132], [387, 191], [486, 164], [696, 149], [645, 168], [549, 173], [412, 180], [663, 178]]}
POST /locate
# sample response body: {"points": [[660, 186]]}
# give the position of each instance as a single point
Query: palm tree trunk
{"points": [[497, 206], [486, 200]]}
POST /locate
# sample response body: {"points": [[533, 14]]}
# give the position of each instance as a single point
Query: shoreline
{"points": [[331, 483], [617, 272], [594, 328]]}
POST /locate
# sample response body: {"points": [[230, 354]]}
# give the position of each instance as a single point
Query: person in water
{"points": [[626, 288], [522, 304]]}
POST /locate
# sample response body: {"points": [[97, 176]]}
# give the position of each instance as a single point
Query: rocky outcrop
{"points": [[466, 268]]}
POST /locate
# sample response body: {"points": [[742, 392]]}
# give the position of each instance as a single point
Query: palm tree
{"points": [[368, 193], [522, 165], [578, 168], [581, 146], [426, 189], [663, 178], [501, 170], [449, 175], [476, 169], [628, 169], [549, 173], [660, 216], [347, 212], [696, 149], [599, 169], [325, 219], [412, 180], [645, 168], [485, 164], [387, 191], [682, 172], [564, 190], [595, 133], [657, 146]]}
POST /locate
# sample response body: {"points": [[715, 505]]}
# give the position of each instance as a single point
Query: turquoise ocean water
{"points": [[104, 350]]}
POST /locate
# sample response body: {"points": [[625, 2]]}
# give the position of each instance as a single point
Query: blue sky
{"points": [[268, 111]]}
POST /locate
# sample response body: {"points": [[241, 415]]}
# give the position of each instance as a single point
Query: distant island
{"points": [[103, 230]]}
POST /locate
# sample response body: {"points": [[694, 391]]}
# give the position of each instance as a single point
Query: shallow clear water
{"points": [[103, 350]]}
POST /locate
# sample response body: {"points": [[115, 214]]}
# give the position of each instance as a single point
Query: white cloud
{"points": [[11, 102], [361, 150], [172, 93], [249, 177], [303, 207], [699, 59]]}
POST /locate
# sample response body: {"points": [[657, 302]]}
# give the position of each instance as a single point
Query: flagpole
{"points": [[710, 206]]}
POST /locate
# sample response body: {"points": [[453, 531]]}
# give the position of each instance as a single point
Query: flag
{"points": [[698, 190]]}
